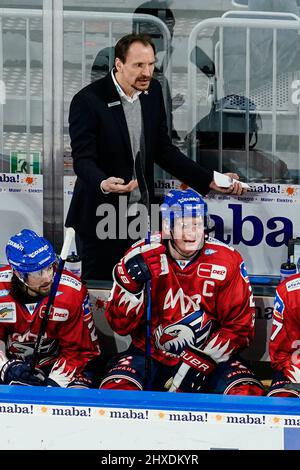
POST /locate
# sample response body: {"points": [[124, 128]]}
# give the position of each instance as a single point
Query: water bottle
{"points": [[287, 269], [298, 265], [73, 264]]}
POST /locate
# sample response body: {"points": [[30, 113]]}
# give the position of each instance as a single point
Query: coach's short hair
{"points": [[123, 45]]}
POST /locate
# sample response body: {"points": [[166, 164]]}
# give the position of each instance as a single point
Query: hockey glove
{"points": [[51, 383], [81, 381], [140, 265], [194, 371], [18, 372]]}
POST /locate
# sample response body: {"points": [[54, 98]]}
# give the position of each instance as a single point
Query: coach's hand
{"points": [[117, 185], [234, 189]]}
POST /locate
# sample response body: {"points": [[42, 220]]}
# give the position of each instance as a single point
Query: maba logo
{"points": [[275, 231]]}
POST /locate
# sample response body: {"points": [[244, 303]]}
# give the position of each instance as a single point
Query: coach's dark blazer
{"points": [[101, 148]]}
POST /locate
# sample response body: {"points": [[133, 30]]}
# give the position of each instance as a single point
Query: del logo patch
{"points": [[8, 312], [56, 314], [212, 271]]}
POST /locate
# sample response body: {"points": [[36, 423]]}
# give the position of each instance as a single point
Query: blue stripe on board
{"points": [[148, 400]]}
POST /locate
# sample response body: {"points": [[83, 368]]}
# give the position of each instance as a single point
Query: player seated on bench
{"points": [[70, 345], [202, 310], [285, 340]]}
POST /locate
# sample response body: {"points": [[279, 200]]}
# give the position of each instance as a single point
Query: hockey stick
{"points": [[63, 256], [146, 201], [178, 377], [191, 359]]}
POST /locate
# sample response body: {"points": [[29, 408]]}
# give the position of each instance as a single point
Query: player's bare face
{"points": [[188, 235], [39, 283], [136, 72]]}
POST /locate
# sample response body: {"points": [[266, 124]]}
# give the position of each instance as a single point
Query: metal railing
{"points": [[53, 100], [26, 15], [235, 23]]}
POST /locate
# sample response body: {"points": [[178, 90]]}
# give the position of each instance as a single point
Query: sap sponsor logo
{"points": [[293, 285], [275, 232], [212, 271], [56, 314], [8, 312], [70, 281], [209, 251], [4, 293], [6, 275]]}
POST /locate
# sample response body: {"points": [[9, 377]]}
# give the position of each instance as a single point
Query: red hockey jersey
{"points": [[215, 282], [70, 340], [285, 335]]}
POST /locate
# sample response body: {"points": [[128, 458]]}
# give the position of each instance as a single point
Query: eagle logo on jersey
{"points": [[192, 330]]}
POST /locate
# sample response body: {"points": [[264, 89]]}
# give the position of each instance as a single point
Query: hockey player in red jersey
{"points": [[202, 308], [70, 345], [285, 339]]}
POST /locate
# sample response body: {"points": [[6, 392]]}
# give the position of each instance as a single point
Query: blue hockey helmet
{"points": [[183, 203], [27, 252]]}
